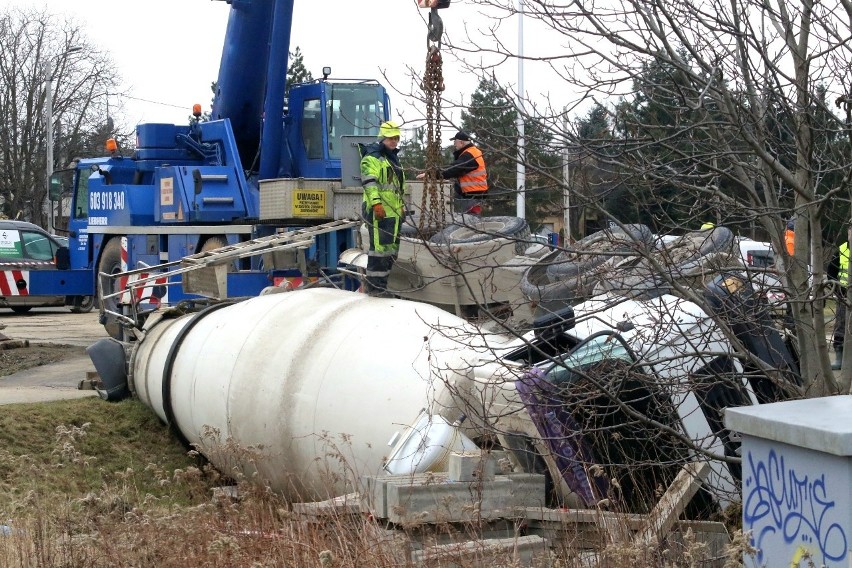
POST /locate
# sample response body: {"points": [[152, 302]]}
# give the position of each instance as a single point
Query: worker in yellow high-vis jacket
{"points": [[383, 208], [839, 334]]}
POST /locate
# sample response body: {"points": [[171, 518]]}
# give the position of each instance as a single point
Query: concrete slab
{"points": [[415, 500], [57, 381]]}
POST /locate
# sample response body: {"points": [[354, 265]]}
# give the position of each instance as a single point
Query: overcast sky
{"points": [[168, 51]]}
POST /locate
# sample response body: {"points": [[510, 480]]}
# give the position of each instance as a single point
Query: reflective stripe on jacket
{"points": [[477, 180], [843, 272]]}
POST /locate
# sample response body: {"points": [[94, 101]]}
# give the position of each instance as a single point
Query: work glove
{"points": [[379, 211]]}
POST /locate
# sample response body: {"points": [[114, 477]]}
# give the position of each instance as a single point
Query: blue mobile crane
{"points": [[262, 162]]}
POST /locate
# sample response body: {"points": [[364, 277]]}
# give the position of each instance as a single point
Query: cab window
{"points": [[81, 200], [353, 109], [312, 129]]}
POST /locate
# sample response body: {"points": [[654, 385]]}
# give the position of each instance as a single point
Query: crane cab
{"points": [[319, 114]]}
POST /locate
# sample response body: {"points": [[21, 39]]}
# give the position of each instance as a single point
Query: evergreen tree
{"points": [[594, 128], [412, 152], [491, 121], [296, 71], [592, 176], [668, 164]]}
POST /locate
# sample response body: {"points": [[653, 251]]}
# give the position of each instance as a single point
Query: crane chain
{"points": [[433, 86]]}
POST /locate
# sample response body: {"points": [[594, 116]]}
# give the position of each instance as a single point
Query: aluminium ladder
{"points": [[205, 273]]}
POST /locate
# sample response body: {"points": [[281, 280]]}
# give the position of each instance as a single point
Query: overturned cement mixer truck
{"points": [[319, 381]]}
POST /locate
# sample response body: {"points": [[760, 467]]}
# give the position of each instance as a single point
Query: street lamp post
{"points": [[47, 208], [566, 179], [521, 173]]}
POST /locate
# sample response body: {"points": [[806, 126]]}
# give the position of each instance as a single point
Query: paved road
{"points": [[56, 381], [53, 325]]}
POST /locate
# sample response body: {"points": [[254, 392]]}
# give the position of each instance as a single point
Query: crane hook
{"points": [[436, 26]]}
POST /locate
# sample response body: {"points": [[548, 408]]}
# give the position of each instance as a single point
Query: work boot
{"points": [[377, 288], [838, 360], [382, 294]]}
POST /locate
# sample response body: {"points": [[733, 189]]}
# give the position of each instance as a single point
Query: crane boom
{"points": [[252, 76]]}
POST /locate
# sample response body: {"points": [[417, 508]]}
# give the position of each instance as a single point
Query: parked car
{"points": [[25, 247]]}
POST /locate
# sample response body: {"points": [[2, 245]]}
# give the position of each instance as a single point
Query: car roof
{"points": [[19, 225]]}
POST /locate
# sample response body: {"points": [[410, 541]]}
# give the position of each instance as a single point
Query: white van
{"points": [[756, 254]]}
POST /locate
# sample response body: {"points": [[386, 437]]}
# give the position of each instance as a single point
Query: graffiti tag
{"points": [[780, 500]]}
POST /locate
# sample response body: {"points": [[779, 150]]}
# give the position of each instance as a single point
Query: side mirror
{"points": [[61, 183]]}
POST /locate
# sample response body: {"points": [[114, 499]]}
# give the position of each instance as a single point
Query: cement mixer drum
{"points": [[316, 382]]}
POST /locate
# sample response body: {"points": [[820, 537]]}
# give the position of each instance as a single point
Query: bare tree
{"points": [[719, 111], [36, 47], [702, 112]]}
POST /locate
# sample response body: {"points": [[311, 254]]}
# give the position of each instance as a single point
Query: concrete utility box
{"points": [[797, 480]]}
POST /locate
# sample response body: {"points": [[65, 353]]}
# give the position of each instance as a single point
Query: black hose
{"points": [[168, 410]]}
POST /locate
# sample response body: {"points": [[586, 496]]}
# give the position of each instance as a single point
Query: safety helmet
{"points": [[388, 129]]}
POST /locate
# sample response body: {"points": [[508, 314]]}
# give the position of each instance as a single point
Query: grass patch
{"points": [[90, 484], [65, 450]]}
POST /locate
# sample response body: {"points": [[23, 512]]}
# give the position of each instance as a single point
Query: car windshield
{"points": [[601, 348]]}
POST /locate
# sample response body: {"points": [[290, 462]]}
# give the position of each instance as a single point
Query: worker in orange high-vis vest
{"points": [[468, 168], [790, 236]]}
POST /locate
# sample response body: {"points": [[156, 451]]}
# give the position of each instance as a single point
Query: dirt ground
{"points": [[37, 354]]}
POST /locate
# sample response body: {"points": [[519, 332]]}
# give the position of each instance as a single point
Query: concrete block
{"points": [[443, 501], [373, 492], [502, 462], [524, 551], [471, 465], [342, 505], [527, 489]]}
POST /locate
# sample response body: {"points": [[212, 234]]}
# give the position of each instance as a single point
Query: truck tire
{"points": [[485, 229], [83, 304], [21, 309], [588, 253], [213, 243], [110, 263], [683, 258], [545, 295], [481, 230]]}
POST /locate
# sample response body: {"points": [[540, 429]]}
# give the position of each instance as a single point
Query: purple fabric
{"points": [[562, 434]]}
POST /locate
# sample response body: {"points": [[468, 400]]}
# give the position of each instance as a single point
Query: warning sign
{"points": [[167, 193], [309, 203]]}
